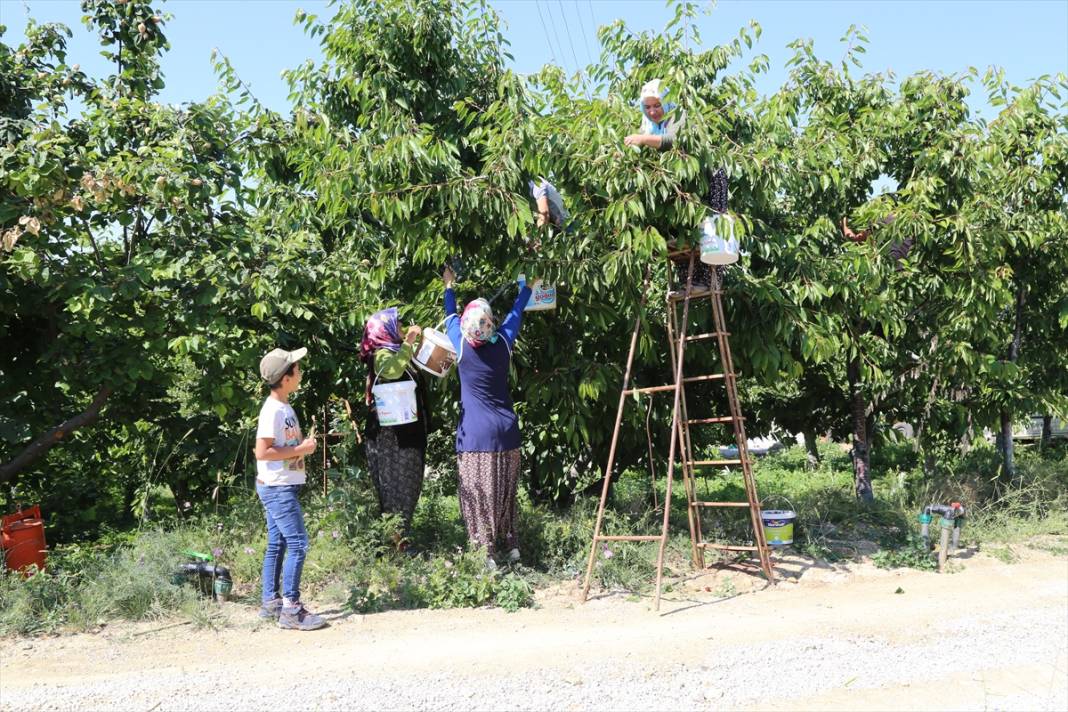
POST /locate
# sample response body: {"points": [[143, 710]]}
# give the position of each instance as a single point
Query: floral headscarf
{"points": [[382, 331], [652, 90], [477, 323]]}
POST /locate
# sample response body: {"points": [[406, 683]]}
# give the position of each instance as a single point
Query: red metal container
{"points": [[22, 540]]}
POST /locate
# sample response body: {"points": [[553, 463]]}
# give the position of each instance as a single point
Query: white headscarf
{"points": [[652, 90]]}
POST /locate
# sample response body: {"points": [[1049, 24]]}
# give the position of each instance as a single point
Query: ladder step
{"points": [[709, 335], [696, 294], [706, 421], [714, 463], [671, 387], [719, 504], [727, 547], [650, 389], [656, 537], [709, 377]]}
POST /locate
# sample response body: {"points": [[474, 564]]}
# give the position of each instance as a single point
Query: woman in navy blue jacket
{"points": [[487, 437]]}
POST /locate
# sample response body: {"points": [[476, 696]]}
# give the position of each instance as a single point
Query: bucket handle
{"points": [[408, 371], [784, 499]]}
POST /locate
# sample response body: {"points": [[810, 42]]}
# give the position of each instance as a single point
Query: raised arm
{"points": [[509, 328], [452, 320], [390, 365]]}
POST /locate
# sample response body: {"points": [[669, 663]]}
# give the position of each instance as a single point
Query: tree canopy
{"points": [[151, 253]]}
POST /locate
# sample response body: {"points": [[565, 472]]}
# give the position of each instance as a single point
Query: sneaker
{"points": [[513, 556], [271, 609], [299, 618]]}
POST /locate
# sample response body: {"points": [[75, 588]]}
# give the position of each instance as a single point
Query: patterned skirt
{"points": [[488, 485], [396, 456]]}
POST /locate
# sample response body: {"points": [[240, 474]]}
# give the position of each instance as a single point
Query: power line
{"points": [[582, 26], [567, 29], [545, 29], [593, 20], [556, 34]]}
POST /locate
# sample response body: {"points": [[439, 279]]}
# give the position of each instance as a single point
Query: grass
{"points": [[354, 563]]}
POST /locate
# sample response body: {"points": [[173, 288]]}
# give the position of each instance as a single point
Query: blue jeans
{"points": [[287, 540]]}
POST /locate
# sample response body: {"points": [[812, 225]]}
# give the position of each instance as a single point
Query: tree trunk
{"points": [[46, 442], [1008, 461], [861, 453], [811, 446], [1047, 431], [930, 464], [966, 438]]}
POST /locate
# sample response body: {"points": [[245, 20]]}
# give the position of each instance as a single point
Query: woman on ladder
{"points": [[487, 436], [660, 129], [396, 454]]}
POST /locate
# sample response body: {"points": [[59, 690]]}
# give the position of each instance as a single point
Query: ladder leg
{"points": [[615, 439], [674, 436], [649, 444], [693, 517], [696, 536], [739, 428]]}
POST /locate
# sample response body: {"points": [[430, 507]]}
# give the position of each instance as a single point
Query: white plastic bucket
{"points": [[778, 526], [719, 246], [395, 403], [436, 355], [542, 298]]}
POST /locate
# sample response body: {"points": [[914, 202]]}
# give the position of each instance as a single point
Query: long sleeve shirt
{"points": [[487, 418], [390, 365]]}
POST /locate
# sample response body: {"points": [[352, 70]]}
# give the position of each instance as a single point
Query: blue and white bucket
{"points": [[778, 526], [395, 403]]}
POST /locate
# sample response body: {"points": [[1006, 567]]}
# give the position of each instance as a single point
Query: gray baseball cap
{"points": [[275, 364]]}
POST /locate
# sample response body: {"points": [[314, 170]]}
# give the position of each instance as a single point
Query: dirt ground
{"points": [[989, 635]]}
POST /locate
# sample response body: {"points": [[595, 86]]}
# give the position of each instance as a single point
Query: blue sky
{"points": [[1025, 37]]}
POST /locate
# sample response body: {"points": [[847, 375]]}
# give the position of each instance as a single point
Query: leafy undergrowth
{"points": [[354, 562]]}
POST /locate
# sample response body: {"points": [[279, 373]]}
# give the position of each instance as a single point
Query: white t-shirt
{"points": [[278, 420]]}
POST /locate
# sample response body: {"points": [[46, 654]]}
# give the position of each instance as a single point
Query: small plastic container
{"points": [[542, 298], [719, 246]]}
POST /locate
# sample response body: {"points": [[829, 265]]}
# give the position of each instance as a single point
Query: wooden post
{"points": [[326, 439]]}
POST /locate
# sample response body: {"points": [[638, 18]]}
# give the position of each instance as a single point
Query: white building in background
{"points": [[1033, 429]]}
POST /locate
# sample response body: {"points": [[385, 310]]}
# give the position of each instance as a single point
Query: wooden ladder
{"points": [[680, 443]]}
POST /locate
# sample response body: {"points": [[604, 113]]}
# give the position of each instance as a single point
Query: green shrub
{"points": [[513, 593], [458, 581], [912, 554], [354, 558]]}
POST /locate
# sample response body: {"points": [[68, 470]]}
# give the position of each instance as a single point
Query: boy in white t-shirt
{"points": [[280, 451]]}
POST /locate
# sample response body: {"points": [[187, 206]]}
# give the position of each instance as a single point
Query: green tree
{"points": [[108, 210]]}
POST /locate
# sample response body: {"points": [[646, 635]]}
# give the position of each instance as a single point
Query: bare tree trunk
{"points": [[811, 445], [46, 442], [966, 438], [861, 453], [1047, 430], [930, 464], [1008, 461], [1008, 456]]}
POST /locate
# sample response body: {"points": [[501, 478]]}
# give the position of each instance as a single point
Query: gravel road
{"points": [[993, 636]]}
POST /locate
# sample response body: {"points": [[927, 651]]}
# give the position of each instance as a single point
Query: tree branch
{"points": [[96, 250], [46, 442]]}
